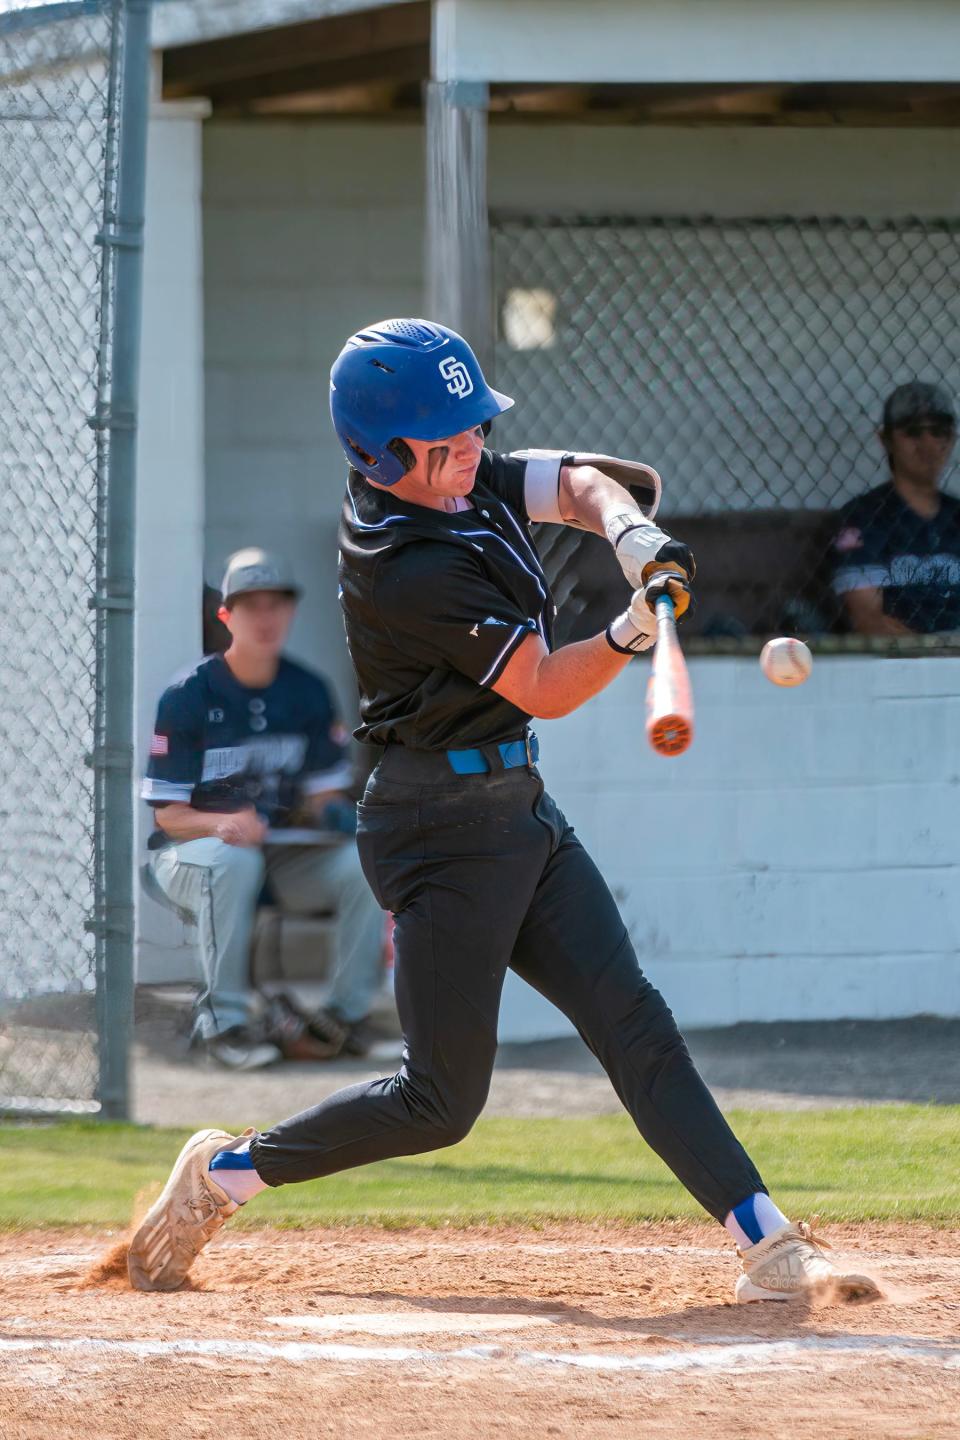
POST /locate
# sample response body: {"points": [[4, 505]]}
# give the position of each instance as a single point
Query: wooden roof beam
{"points": [[395, 67], [197, 69]]}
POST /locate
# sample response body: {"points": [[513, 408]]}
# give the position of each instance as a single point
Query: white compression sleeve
{"points": [[541, 484]]}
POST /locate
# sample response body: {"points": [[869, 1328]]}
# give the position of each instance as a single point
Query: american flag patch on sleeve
{"points": [[159, 745]]}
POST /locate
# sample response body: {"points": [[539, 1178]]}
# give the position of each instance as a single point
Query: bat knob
{"points": [[671, 734]]}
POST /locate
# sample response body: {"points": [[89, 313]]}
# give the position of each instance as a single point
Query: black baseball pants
{"points": [[482, 873]]}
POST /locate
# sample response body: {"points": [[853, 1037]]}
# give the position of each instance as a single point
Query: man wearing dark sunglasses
{"points": [[896, 552]]}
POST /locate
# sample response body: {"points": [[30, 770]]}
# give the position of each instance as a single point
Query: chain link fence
{"points": [[60, 94], [749, 361]]}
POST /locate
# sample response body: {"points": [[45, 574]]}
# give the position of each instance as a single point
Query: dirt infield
{"points": [[566, 1331]]}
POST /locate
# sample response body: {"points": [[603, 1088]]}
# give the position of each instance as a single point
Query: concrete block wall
{"points": [[808, 859]]}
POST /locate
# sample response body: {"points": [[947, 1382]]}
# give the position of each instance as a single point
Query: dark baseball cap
{"points": [[254, 569], [917, 400]]}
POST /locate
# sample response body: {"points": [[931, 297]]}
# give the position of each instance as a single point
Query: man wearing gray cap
{"points": [[896, 553], [245, 743]]}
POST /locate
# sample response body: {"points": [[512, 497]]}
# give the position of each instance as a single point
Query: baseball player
{"points": [[448, 617], [244, 742]]}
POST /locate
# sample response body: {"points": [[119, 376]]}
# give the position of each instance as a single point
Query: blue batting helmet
{"points": [[405, 379]]}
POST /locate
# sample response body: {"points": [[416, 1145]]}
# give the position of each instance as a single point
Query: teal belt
{"points": [[512, 754]]}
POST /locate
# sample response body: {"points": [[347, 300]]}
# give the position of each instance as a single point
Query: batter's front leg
{"points": [[574, 949]]}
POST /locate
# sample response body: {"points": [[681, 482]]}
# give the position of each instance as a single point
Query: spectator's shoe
{"points": [[189, 1212], [789, 1264], [357, 1044], [345, 1037], [239, 1048], [360, 1038], [354, 1038], [297, 1037]]}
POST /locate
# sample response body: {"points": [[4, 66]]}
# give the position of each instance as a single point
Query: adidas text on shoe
{"points": [[790, 1264]]}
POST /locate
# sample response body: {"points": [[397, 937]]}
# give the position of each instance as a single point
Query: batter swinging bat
{"points": [[669, 698]]}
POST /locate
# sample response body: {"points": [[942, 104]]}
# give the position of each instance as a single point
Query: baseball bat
{"points": [[669, 697]]}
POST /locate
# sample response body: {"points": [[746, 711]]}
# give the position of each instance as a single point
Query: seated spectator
{"points": [[246, 744], [896, 553]]}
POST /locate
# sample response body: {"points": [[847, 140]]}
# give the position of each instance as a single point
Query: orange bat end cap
{"points": [[671, 734]]}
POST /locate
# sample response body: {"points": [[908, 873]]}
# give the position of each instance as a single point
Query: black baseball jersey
{"points": [[883, 544], [435, 604], [220, 745]]}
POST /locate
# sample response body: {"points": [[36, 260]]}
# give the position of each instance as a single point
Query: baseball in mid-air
{"points": [[786, 661]]}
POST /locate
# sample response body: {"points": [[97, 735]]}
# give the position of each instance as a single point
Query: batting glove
{"points": [[635, 630], [669, 582], [642, 549]]}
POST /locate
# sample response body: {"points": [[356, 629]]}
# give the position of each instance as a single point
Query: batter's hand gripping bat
{"points": [[669, 697]]}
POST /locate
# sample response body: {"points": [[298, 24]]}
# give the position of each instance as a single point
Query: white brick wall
{"points": [[809, 852]]}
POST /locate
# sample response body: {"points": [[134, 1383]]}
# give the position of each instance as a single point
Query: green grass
{"points": [[884, 1163]]}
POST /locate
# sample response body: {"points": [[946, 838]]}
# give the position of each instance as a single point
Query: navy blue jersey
{"points": [[220, 746], [883, 544], [435, 604]]}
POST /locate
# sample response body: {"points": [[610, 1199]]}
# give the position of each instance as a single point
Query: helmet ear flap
{"points": [[402, 451]]}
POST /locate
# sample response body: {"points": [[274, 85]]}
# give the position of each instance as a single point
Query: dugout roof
{"points": [[361, 57], [367, 59]]}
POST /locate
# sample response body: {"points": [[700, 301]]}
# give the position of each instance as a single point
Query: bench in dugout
{"points": [[759, 573]]}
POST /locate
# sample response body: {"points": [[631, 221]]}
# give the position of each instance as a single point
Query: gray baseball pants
{"points": [[220, 885]]}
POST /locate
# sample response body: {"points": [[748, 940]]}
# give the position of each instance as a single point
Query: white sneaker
{"points": [[238, 1050], [242, 1047], [189, 1212], [790, 1263]]}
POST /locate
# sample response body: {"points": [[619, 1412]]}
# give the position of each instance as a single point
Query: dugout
{"points": [[709, 179]]}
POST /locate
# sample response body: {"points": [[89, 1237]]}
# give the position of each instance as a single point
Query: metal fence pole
{"points": [[114, 759], [458, 232]]}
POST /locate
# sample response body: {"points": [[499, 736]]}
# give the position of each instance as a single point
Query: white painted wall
{"points": [[809, 859], [170, 487], [724, 171], [314, 229], [662, 41]]}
